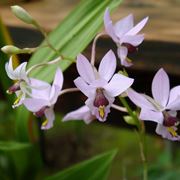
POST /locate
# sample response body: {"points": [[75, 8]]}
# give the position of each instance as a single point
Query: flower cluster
{"points": [[101, 85]]}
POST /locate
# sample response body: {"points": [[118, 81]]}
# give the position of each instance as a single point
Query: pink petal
{"points": [[54, 94], [82, 86], [34, 105], [109, 26], [118, 85], [139, 100], [138, 27], [124, 25], [107, 66], [160, 87], [83, 113], [49, 113], [85, 69], [149, 115], [122, 54], [135, 40]]}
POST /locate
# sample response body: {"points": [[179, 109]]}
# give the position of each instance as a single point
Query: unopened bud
{"points": [[10, 49], [22, 14]]}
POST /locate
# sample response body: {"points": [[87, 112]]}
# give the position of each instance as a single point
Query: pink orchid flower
{"points": [[43, 103], [162, 108], [102, 86], [125, 35], [82, 113], [24, 85]]}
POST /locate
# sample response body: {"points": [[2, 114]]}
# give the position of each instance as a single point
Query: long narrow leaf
{"points": [[73, 35], [96, 168]]}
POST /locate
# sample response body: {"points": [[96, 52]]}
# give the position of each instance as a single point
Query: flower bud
{"points": [[10, 49], [22, 14]]}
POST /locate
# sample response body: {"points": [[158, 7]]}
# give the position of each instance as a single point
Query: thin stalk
{"points": [[141, 136], [93, 52], [119, 108]]}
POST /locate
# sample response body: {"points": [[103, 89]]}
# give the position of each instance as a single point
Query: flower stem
{"points": [[119, 108], [141, 136], [93, 52], [69, 90]]}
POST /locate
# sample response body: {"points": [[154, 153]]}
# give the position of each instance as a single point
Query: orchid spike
{"points": [[44, 104], [82, 113], [100, 86], [162, 108], [125, 35], [24, 85]]}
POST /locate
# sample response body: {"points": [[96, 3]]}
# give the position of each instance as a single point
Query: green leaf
{"points": [[22, 123], [96, 168], [72, 35], [12, 146]]}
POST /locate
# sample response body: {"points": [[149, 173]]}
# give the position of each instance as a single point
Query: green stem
{"points": [[141, 136]]}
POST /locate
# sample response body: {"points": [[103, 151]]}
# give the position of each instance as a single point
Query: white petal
{"points": [[160, 87], [174, 93], [122, 52], [138, 27], [34, 105], [58, 78], [124, 25], [39, 89], [139, 100], [85, 69], [49, 113], [149, 115], [133, 40], [109, 26], [82, 86], [118, 85], [9, 69], [83, 113], [107, 66]]}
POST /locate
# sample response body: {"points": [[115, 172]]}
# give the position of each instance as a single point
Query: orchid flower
{"points": [[24, 85], [43, 103], [82, 113], [125, 35], [102, 86], [162, 108]]}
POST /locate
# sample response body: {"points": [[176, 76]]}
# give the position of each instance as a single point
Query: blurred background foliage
{"points": [[26, 152]]}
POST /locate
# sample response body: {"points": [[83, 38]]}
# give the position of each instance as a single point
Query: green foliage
{"points": [[11, 145], [72, 35], [96, 168]]}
